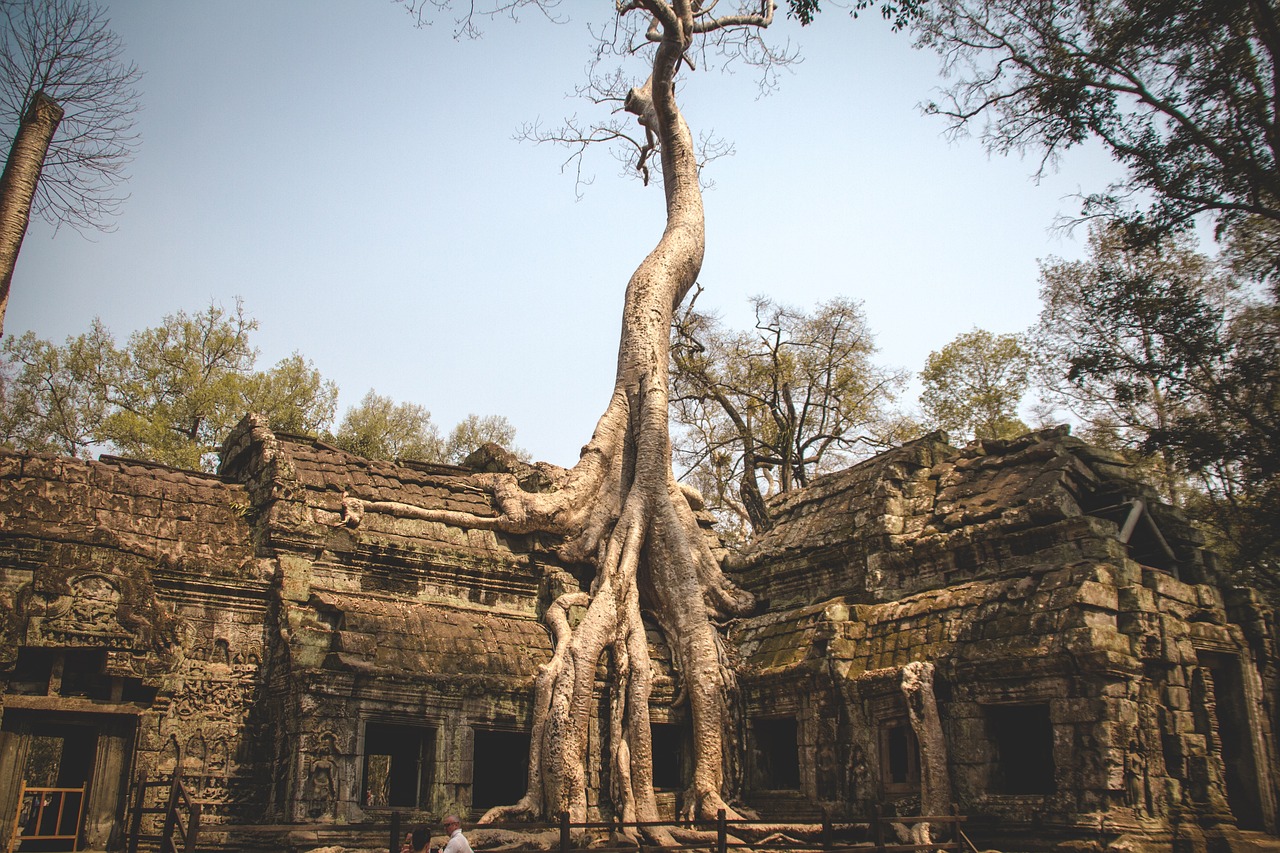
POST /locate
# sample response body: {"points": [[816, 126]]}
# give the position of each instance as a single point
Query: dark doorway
{"points": [[899, 758], [777, 754], [1234, 735], [56, 774], [1023, 757], [668, 754], [500, 771], [398, 765]]}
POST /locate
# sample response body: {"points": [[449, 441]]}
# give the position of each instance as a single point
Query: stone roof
{"points": [[915, 517], [183, 520], [388, 635]]}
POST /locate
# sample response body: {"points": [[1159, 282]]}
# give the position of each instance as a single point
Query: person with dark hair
{"points": [[419, 839], [457, 842]]}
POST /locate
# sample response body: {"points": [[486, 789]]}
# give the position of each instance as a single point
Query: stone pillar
{"points": [[109, 785], [13, 762]]}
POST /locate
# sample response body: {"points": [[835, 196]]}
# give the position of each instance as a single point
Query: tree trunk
{"points": [[621, 509], [19, 181]]}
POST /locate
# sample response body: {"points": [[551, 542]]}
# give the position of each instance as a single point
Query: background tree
{"points": [[380, 428], [1113, 338], [475, 430], [1180, 93], [53, 400], [1181, 363], [170, 394], [761, 412], [66, 102], [293, 396], [974, 385]]}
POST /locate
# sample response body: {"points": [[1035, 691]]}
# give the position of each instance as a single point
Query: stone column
{"points": [[109, 784], [13, 762]]}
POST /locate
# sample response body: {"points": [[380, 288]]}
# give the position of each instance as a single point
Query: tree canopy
{"points": [[170, 394], [762, 411], [380, 428], [1114, 335], [1180, 93], [67, 101], [974, 385]]}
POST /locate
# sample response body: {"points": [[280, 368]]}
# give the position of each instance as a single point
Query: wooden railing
{"points": [[181, 811], [876, 831], [52, 814]]}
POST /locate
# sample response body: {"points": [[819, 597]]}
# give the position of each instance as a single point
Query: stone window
{"points": [[1141, 535], [777, 754], [1022, 738], [399, 763], [500, 769], [74, 672], [899, 758], [668, 751]]}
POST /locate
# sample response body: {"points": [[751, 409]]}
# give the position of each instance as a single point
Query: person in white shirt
{"points": [[457, 842]]}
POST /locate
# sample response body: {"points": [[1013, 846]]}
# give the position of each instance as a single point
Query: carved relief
{"points": [[87, 615], [321, 789]]}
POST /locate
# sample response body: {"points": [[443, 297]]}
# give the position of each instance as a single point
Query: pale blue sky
{"points": [[355, 181]]}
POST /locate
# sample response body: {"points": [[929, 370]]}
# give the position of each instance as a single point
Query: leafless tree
{"points": [[67, 102]]}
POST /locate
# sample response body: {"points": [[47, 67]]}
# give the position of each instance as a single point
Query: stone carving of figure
{"points": [[321, 793], [1137, 785]]}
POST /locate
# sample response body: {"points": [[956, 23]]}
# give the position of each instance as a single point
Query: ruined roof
{"points": [[183, 520], [398, 636], [898, 522]]}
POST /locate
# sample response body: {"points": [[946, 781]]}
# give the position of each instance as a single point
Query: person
{"points": [[457, 842], [418, 840]]}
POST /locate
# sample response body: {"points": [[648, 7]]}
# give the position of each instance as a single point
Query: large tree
{"points": [[169, 394], [974, 385], [762, 411], [66, 104], [1183, 363], [1182, 93], [1114, 335], [620, 508]]}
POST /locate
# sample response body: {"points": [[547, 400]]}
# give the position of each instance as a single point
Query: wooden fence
{"points": [[51, 814], [181, 826], [877, 830]]}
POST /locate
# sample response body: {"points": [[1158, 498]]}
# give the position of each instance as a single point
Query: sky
{"points": [[355, 180]]}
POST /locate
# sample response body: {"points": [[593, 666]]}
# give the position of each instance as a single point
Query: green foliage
{"points": [[170, 394], [1116, 336], [475, 430], [1183, 363], [900, 13], [1181, 93], [973, 386], [177, 389], [50, 396], [763, 411], [293, 397], [380, 428]]}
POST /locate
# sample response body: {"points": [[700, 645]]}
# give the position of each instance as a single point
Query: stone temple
{"points": [[1019, 628]]}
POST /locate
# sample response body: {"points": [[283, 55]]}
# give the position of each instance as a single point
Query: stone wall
{"points": [[1021, 628], [1081, 693]]}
